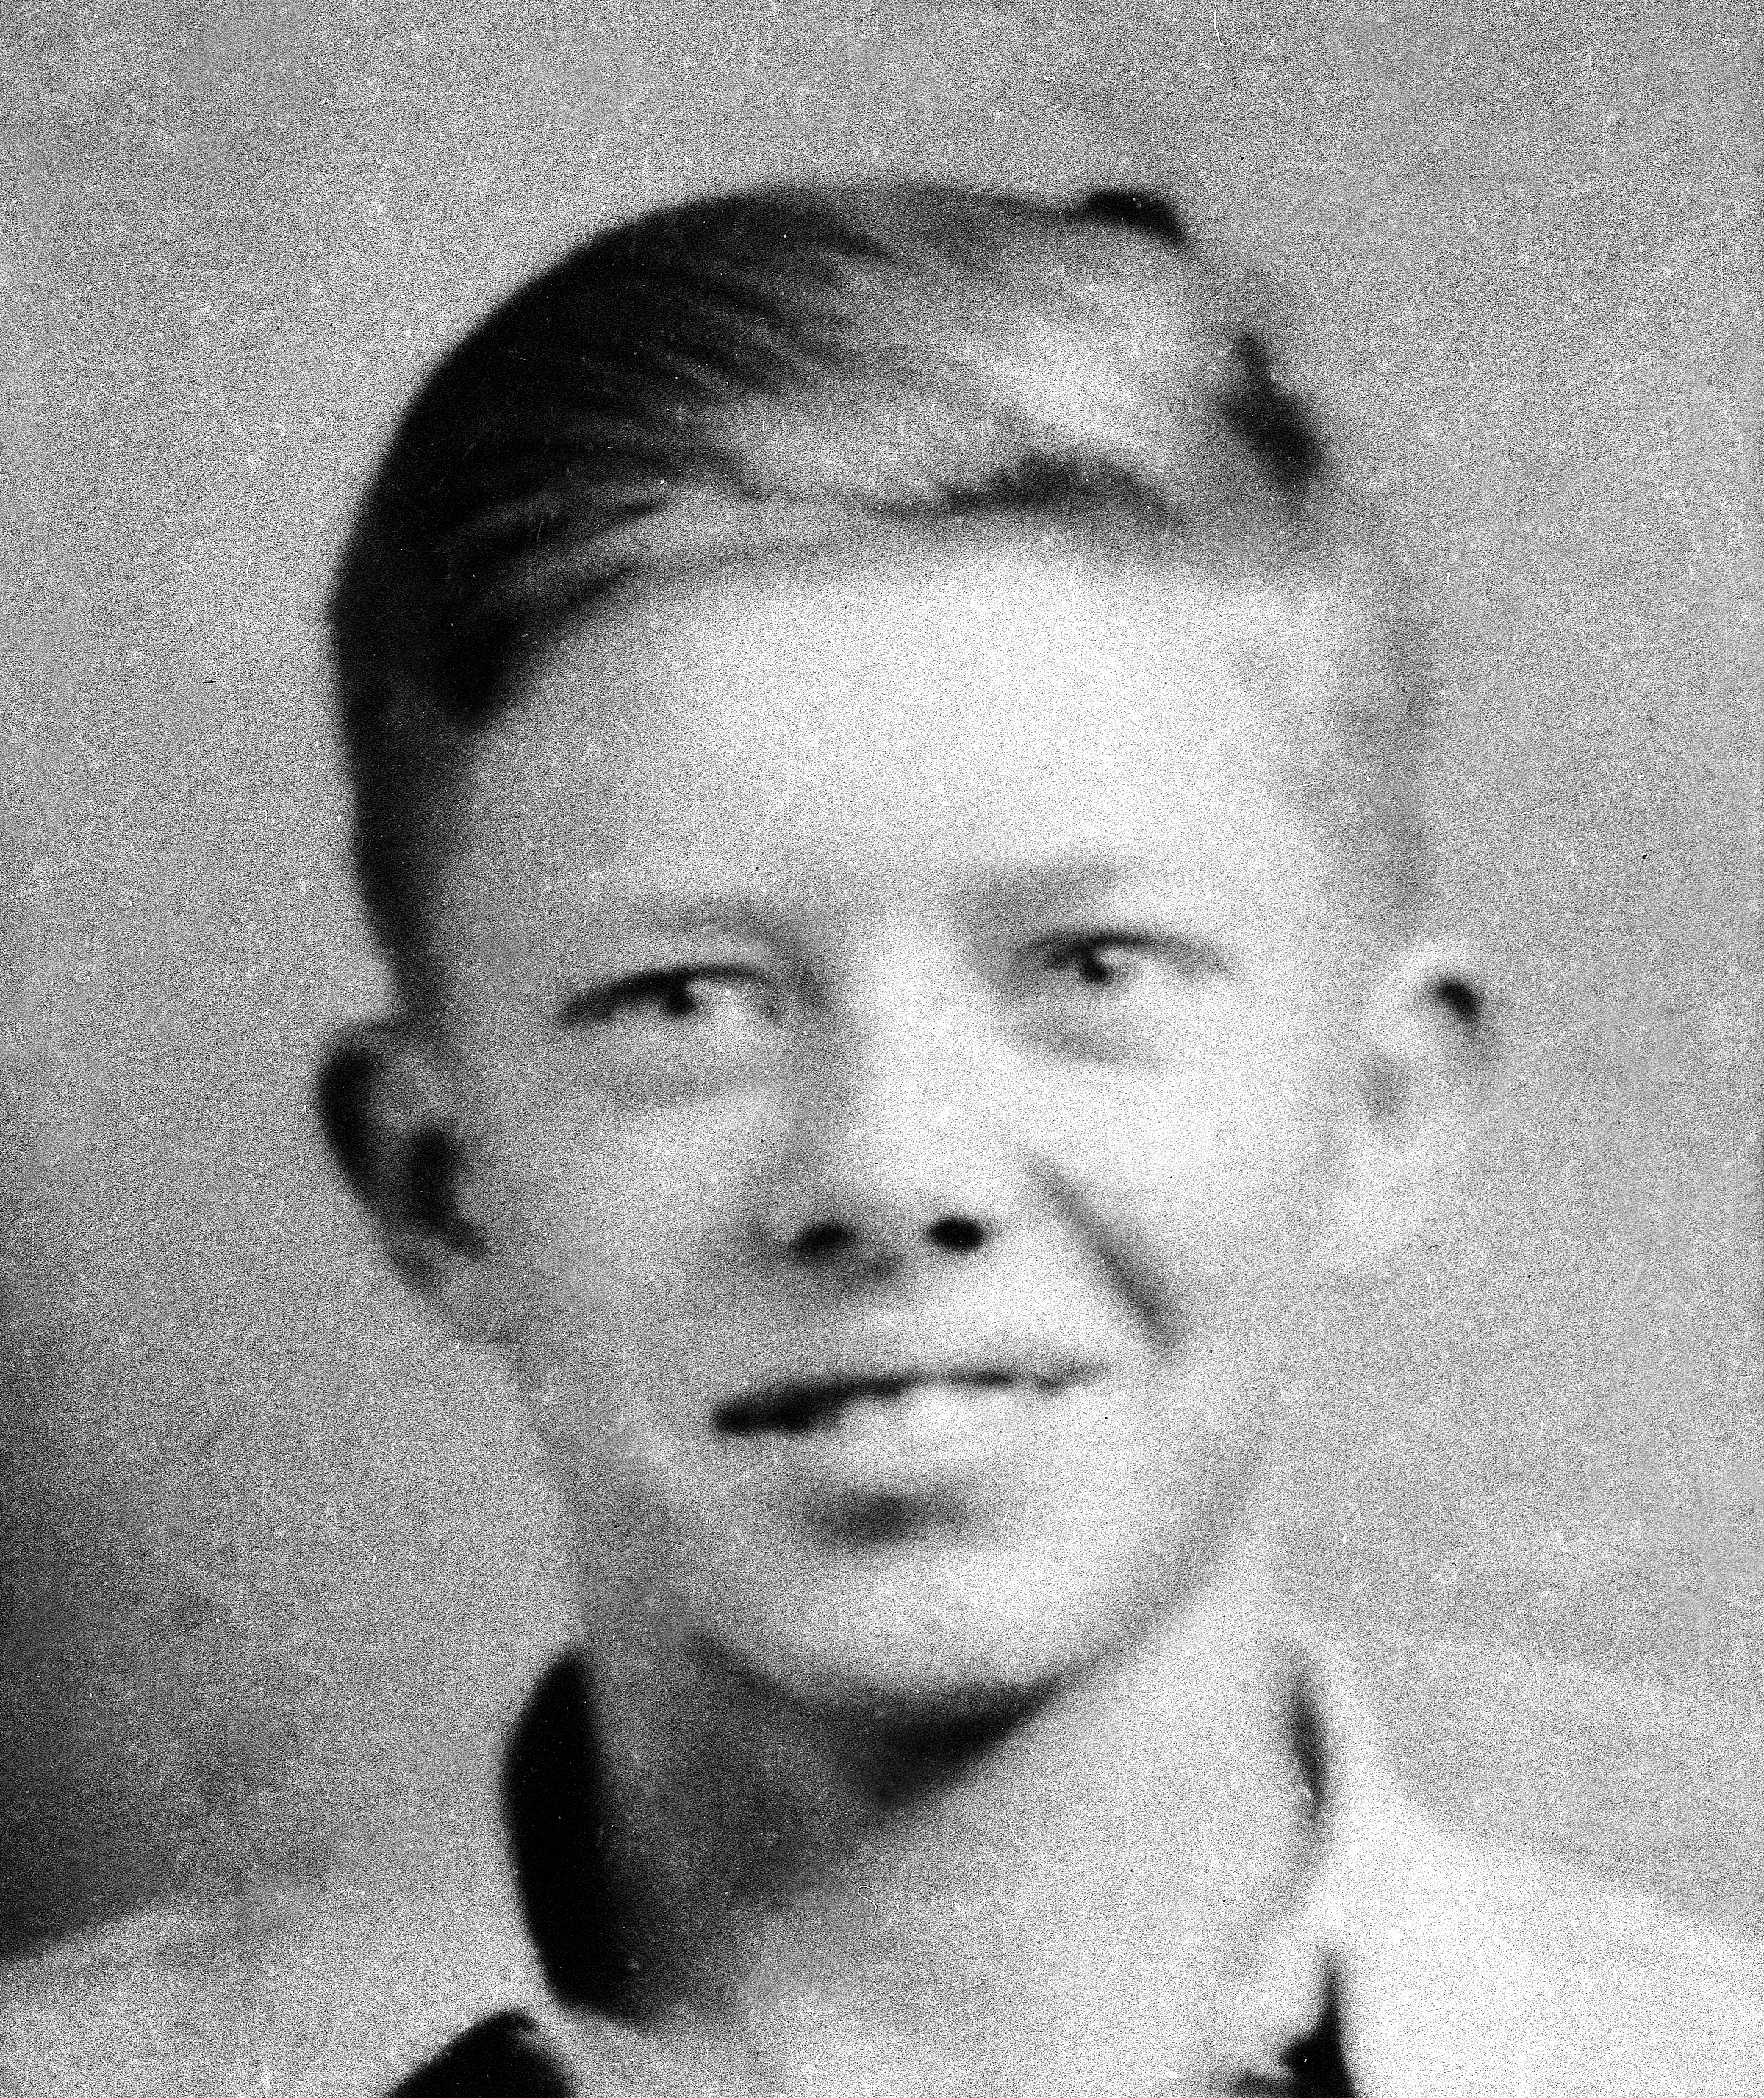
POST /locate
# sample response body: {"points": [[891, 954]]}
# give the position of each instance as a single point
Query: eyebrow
{"points": [[1044, 882], [685, 913], [1030, 885]]}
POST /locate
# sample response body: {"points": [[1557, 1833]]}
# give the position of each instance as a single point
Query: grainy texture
{"points": [[275, 1563]]}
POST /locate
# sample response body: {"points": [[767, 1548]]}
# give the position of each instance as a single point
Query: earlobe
{"points": [[391, 1116], [1424, 1049]]}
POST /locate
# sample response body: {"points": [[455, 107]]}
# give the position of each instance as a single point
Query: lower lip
{"points": [[925, 1435]]}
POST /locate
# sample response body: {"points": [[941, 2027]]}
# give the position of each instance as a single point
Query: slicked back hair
{"points": [[751, 369]]}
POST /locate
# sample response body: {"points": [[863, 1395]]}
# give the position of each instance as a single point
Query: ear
{"points": [[1423, 1053], [389, 1108]]}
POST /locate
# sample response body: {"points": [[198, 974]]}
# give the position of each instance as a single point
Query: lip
{"points": [[809, 1405]]}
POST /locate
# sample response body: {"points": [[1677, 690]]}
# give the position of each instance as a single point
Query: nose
{"points": [[889, 1152]]}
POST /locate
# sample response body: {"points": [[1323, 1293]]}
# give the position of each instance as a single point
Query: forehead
{"points": [[964, 627], [931, 703]]}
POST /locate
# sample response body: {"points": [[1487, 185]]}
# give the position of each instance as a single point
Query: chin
{"points": [[938, 1640], [935, 1599]]}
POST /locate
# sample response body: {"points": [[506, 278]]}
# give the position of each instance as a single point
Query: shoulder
{"points": [[1473, 1967], [1465, 1966], [324, 1994], [130, 2006]]}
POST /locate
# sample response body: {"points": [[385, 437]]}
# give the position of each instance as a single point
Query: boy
{"points": [[884, 761]]}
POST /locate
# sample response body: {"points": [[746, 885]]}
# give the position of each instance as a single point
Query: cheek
{"points": [[1222, 1166], [616, 1224]]}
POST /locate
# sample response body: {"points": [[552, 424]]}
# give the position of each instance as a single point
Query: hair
{"points": [[772, 365]]}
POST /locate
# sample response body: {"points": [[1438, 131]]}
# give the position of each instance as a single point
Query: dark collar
{"points": [[550, 1790]]}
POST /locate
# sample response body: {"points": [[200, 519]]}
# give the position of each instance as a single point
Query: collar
{"points": [[1291, 2036]]}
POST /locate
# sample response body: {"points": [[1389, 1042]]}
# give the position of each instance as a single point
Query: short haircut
{"points": [[712, 376]]}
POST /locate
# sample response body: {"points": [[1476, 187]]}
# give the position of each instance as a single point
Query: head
{"points": [[886, 770]]}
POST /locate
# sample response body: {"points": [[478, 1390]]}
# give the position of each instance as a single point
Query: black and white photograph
{"points": [[883, 1106]]}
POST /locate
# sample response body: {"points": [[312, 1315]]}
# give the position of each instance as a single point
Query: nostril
{"points": [[815, 1244], [832, 1242]]}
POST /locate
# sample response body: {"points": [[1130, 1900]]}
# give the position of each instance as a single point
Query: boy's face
{"points": [[902, 1041]]}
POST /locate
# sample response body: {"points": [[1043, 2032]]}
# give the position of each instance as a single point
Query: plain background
{"points": [[275, 1565]]}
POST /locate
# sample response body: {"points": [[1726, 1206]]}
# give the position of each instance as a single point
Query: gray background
{"points": [[275, 1565]]}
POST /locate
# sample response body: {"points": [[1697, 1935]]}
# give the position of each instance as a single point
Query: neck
{"points": [[823, 1910]]}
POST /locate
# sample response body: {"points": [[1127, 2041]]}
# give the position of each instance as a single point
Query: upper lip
{"points": [[792, 1400]]}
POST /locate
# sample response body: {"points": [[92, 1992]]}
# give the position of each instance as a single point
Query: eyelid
{"points": [[1194, 954], [597, 1003]]}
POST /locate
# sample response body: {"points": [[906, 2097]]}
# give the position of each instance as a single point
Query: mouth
{"points": [[926, 1403]]}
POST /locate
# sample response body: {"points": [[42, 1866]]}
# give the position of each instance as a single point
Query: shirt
{"points": [[1414, 1964]]}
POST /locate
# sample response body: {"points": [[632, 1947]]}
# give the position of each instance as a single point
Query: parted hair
{"points": [[751, 370]]}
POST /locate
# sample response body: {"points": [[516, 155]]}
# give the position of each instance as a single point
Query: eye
{"points": [[671, 1024], [1117, 962], [1099, 965], [1117, 993], [682, 997]]}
